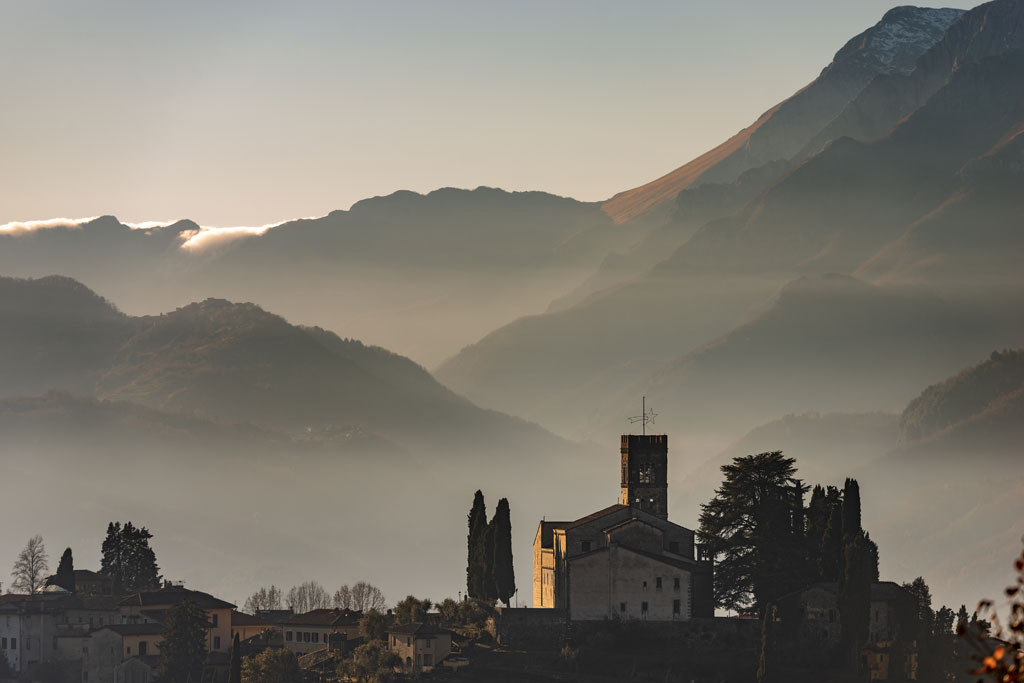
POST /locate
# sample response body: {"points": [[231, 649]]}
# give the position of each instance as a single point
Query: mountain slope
{"points": [[891, 46], [234, 363]]}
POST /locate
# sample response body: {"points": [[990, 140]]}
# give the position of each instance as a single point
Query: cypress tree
{"points": [[475, 561], [832, 546], [65, 576], [489, 589], [504, 572], [855, 595], [851, 510], [235, 674]]}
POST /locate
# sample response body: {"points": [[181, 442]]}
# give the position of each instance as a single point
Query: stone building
{"points": [[311, 631], [626, 561], [421, 646]]}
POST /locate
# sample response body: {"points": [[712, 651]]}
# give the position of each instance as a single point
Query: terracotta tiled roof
{"points": [[243, 619]]}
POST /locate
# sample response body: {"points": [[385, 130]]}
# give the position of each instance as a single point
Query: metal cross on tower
{"points": [[645, 418]]}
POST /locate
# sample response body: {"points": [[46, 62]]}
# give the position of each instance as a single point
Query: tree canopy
{"points": [[183, 649], [751, 528], [128, 558], [30, 568]]}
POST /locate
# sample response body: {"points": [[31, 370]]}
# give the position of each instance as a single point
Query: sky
{"points": [[255, 112]]}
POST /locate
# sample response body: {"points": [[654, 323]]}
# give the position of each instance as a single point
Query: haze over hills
{"points": [[231, 407], [421, 274], [893, 210]]}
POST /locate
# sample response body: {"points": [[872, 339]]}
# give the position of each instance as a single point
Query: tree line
{"points": [[310, 595], [126, 558]]}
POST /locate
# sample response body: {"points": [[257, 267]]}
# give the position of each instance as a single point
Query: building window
{"points": [[216, 642], [143, 647], [675, 583], [428, 642], [408, 661], [14, 643], [428, 659], [622, 607], [408, 641], [643, 608], [586, 546], [128, 650], [316, 636], [288, 636], [645, 586], [305, 636], [675, 608], [213, 618], [3, 643], [657, 583]]}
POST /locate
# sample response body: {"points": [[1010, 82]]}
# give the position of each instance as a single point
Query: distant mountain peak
{"points": [[894, 44]]}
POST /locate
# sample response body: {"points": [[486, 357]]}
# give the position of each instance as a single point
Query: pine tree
{"points": [[183, 649], [65, 576], [963, 620], [476, 560], [128, 559], [235, 674], [504, 572]]}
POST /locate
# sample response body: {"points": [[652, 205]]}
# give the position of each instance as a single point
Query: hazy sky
{"points": [[246, 113]]}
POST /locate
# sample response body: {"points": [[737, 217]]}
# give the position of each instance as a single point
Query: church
{"points": [[626, 561]]}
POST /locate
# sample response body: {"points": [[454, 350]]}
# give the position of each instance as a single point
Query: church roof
{"points": [[596, 515], [678, 562]]}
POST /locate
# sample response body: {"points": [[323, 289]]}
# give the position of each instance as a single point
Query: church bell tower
{"points": [[645, 473]]}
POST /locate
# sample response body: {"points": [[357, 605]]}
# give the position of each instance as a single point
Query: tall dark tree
{"points": [[851, 510], [832, 546], [748, 528], [128, 559], [768, 667], [183, 649], [490, 590], [65, 576], [235, 673], [504, 572], [855, 595], [476, 564]]}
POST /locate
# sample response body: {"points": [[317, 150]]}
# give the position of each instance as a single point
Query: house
{"points": [[111, 645], [310, 631], [626, 561], [421, 646], [151, 606], [50, 626], [246, 626], [88, 582]]}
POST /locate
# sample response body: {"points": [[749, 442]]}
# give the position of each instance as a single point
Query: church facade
{"points": [[626, 561]]}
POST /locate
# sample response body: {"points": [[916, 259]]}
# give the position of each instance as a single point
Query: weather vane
{"points": [[645, 418]]}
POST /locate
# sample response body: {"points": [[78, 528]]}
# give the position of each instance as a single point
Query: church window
{"points": [[586, 546], [675, 583], [675, 607], [657, 583], [646, 473]]}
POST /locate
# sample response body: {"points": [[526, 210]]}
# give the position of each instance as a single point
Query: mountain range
{"points": [[855, 243]]}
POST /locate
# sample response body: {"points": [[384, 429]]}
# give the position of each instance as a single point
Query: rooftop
{"points": [[173, 595]]}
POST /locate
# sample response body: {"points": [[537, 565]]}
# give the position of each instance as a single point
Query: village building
{"points": [[152, 606], [247, 626], [626, 561], [421, 646], [314, 630]]}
